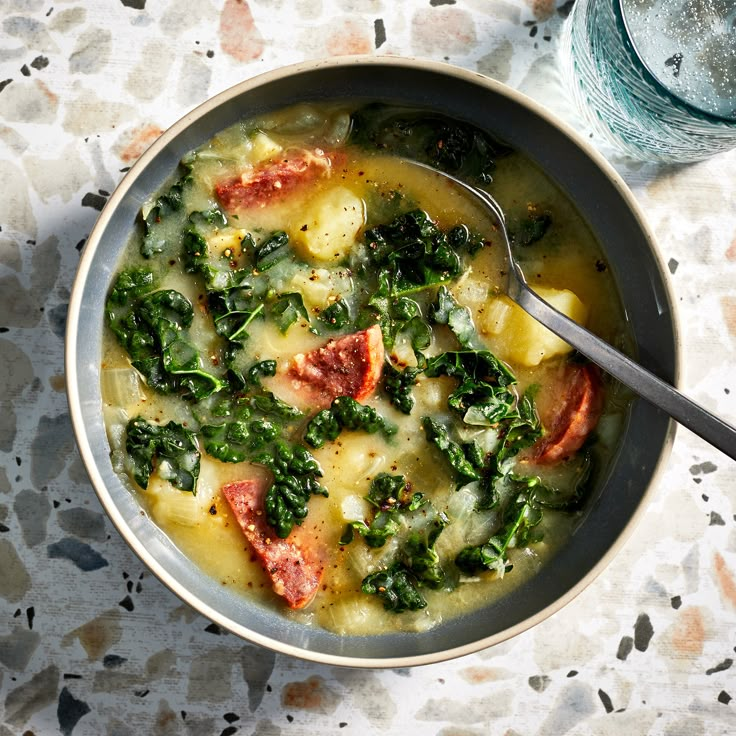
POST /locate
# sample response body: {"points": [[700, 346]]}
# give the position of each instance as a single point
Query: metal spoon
{"points": [[658, 392]]}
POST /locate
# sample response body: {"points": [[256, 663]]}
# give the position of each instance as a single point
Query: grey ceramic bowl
{"points": [[613, 215]]}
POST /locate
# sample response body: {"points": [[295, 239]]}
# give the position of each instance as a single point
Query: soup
{"points": [[316, 386]]}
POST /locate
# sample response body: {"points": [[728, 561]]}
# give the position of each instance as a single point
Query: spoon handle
{"points": [[631, 374]]}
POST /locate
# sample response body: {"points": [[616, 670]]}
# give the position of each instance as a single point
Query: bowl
{"points": [[614, 217]]}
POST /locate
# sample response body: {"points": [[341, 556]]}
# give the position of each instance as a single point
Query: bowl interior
{"points": [[614, 218]]}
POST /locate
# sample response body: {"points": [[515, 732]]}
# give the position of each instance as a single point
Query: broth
{"points": [[329, 180]]}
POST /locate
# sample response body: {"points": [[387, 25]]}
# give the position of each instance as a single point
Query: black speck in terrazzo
{"points": [[138, 587], [290, 718], [697, 480], [81, 554], [93, 200], [379, 32], [69, 711], [342, 724], [80, 244], [134, 4], [565, 8], [127, 603], [113, 661], [4, 528], [533, 31], [724, 697], [606, 700], [624, 647], [539, 682], [703, 468], [30, 615], [40, 62], [229, 731], [71, 676], [675, 601], [572, 673], [17, 613], [4, 83], [129, 586], [720, 667], [141, 693], [210, 53], [705, 497], [213, 629], [672, 264], [231, 717], [50, 10], [643, 632], [716, 519], [25, 71], [435, 3]]}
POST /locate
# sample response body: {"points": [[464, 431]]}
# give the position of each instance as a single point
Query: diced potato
{"points": [[354, 508], [519, 338], [221, 240], [263, 148], [315, 286], [328, 230]]}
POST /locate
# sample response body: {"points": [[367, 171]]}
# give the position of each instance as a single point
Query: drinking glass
{"points": [[655, 78]]}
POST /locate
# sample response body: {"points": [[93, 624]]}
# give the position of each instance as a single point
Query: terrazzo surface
{"points": [[90, 642]]}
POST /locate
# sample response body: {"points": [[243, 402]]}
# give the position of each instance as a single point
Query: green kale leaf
{"points": [[170, 448]]}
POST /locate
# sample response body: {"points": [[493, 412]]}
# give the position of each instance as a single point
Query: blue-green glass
{"points": [[646, 117]]}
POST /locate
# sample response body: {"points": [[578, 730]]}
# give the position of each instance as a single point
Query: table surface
{"points": [[85, 86]]}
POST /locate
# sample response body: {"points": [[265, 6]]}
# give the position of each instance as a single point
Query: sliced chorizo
{"points": [[573, 415], [347, 366], [295, 570], [273, 180]]}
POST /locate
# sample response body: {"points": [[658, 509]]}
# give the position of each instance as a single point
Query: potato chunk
{"points": [[263, 148], [518, 337], [328, 230]]}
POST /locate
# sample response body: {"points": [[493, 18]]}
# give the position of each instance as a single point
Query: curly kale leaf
{"points": [[446, 311], [172, 201], [389, 495], [337, 315], [153, 330], [288, 309], [398, 386], [414, 252], [236, 440], [477, 365], [344, 413], [522, 514], [455, 453], [453, 146], [396, 587], [418, 553], [170, 448], [295, 474], [529, 230], [271, 250]]}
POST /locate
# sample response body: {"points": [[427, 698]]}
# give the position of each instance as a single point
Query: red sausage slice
{"points": [[348, 366], [294, 569], [575, 415], [273, 180]]}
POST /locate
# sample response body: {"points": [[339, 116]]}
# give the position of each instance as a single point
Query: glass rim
{"points": [[707, 114]]}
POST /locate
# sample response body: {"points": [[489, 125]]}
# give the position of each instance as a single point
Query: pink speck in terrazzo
{"points": [[239, 36], [350, 37]]}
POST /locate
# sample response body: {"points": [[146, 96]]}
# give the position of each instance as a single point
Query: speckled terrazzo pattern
{"points": [[89, 642]]}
